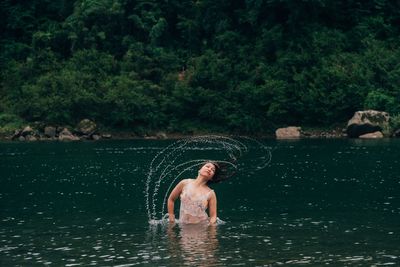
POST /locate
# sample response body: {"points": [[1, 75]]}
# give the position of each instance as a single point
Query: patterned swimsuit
{"points": [[193, 208]]}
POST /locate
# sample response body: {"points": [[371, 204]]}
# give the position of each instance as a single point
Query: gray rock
{"points": [[68, 138], [96, 137], [161, 135], [65, 131], [21, 138], [373, 135], [30, 138], [16, 135], [291, 132], [86, 127], [396, 133], [367, 121], [27, 131], [50, 131], [66, 135], [106, 136], [59, 129], [44, 138]]}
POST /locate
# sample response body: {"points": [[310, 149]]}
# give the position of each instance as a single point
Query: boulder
{"points": [[66, 135], [373, 135], [85, 137], [16, 135], [396, 133], [27, 131], [288, 132], [30, 138], [106, 136], [161, 135], [50, 131], [96, 137], [86, 127], [65, 131], [68, 138], [59, 129], [21, 138], [44, 138], [367, 121]]}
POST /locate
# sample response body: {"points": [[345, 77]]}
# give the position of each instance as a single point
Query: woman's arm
{"points": [[212, 208], [172, 197]]}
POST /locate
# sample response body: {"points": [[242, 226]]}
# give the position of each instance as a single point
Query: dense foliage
{"points": [[229, 66]]}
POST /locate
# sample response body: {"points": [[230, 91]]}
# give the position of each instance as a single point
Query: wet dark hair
{"points": [[222, 172]]}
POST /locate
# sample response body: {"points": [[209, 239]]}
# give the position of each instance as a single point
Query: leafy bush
{"points": [[394, 122], [236, 66], [379, 100], [9, 123]]}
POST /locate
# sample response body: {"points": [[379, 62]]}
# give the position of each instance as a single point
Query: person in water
{"points": [[196, 196]]}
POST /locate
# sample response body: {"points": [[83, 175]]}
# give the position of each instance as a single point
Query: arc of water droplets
{"points": [[181, 143], [265, 148], [152, 170], [165, 172], [178, 148], [149, 175], [182, 146]]}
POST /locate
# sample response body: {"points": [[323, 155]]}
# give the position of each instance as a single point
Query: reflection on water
{"points": [[193, 244]]}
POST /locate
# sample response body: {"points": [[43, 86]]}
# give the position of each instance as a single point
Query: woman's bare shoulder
{"points": [[185, 181], [210, 191]]}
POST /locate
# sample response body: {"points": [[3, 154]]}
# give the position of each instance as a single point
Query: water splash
{"points": [[172, 162], [164, 221]]}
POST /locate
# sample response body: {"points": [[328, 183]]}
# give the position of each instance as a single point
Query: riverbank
{"points": [[35, 135], [364, 124]]}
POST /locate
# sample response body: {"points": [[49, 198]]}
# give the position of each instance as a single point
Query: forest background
{"points": [[245, 66]]}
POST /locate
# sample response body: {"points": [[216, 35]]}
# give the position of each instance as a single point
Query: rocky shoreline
{"points": [[369, 124], [28, 134]]}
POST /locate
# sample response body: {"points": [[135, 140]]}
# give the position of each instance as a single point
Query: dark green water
{"points": [[319, 202]]}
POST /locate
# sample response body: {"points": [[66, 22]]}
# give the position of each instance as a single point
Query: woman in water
{"points": [[196, 196]]}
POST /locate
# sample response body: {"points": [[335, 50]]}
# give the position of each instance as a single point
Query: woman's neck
{"points": [[200, 181]]}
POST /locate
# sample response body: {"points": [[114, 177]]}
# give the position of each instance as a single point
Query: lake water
{"points": [[318, 202]]}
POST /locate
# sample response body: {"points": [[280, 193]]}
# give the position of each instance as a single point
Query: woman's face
{"points": [[208, 170]]}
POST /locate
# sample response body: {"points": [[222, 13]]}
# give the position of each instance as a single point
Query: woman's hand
{"points": [[212, 208], [171, 218]]}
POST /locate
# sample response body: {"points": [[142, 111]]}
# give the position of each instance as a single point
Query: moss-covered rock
{"points": [[86, 127], [367, 121]]}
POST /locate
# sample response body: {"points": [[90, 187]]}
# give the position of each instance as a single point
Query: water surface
{"points": [[319, 202]]}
